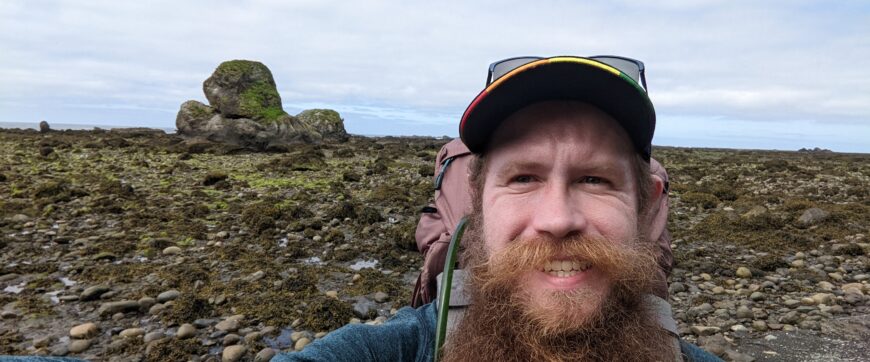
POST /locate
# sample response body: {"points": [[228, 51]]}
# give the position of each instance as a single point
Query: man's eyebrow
{"points": [[591, 166], [514, 167]]}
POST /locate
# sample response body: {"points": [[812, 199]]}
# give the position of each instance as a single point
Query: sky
{"points": [[730, 73]]}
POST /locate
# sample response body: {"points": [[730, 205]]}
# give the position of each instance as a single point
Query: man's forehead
{"points": [[575, 124]]}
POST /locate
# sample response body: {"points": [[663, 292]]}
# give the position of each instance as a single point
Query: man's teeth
{"points": [[566, 268]]}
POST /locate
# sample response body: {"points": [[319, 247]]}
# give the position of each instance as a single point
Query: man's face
{"points": [[558, 170]]}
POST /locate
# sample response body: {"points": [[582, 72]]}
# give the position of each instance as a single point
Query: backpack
{"points": [[452, 201]]}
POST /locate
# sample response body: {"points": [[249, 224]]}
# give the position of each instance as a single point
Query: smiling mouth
{"points": [[565, 268]]}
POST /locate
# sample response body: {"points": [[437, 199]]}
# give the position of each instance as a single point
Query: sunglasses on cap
{"points": [[633, 68]]}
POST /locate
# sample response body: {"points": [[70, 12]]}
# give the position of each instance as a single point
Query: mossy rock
{"points": [[244, 89], [327, 122]]}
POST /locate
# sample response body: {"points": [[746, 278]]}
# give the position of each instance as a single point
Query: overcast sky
{"points": [[739, 74]]}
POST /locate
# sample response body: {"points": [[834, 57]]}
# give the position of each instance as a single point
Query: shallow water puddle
{"points": [[362, 264], [15, 289], [280, 341]]}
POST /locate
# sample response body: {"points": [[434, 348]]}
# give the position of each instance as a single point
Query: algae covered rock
{"points": [[327, 122], [243, 89], [244, 110]]}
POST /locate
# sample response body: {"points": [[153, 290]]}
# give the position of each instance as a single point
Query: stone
{"points": [[823, 285], [228, 325], [718, 290], [332, 294], [172, 250], [85, 330], [759, 325], [265, 355], [20, 218], [381, 297], [186, 330], [168, 295], [231, 339], [743, 272], [146, 302], [704, 330], [791, 317], [233, 353], [295, 336], [132, 332], [853, 287], [44, 127], [59, 350], [744, 312], [118, 307], [813, 216], [79, 345], [823, 298], [327, 122], [808, 301], [252, 337], [756, 296], [320, 335], [93, 292], [242, 89], [42, 341], [152, 336], [156, 309], [676, 287], [800, 263], [791, 303], [836, 276], [301, 343], [364, 308]]}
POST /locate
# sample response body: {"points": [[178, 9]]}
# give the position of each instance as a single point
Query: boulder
{"points": [[44, 127], [326, 122], [245, 111], [813, 216], [243, 89]]}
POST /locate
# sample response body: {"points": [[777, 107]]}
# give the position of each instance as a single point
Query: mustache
{"points": [[626, 264]]}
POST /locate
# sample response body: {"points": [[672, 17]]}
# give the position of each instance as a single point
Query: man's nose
{"points": [[558, 214]]}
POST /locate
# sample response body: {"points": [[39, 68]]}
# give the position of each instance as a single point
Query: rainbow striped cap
{"points": [[561, 78]]}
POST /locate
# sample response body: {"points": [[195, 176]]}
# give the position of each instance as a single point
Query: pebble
{"points": [[156, 309], [79, 345], [228, 325], [823, 298], [823, 285], [718, 290], [59, 350], [168, 295], [320, 335], [231, 339], [744, 312], [356, 277], [146, 302], [295, 336], [332, 294], [738, 328], [676, 287], [743, 272], [118, 307], [152, 336], [42, 341], [836, 276], [704, 330], [94, 292], [172, 250], [808, 301], [760, 326], [81, 331], [756, 296], [233, 353], [264, 355], [132, 332], [301, 343], [798, 263], [381, 297], [769, 337], [185, 331]]}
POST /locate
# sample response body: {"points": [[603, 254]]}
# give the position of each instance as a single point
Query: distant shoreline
{"points": [[73, 126]]}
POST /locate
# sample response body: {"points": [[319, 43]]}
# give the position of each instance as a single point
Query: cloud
{"points": [[711, 60]]}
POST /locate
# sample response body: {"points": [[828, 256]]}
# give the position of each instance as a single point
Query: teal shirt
{"points": [[407, 336]]}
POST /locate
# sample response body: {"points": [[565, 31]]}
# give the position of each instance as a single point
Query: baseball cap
{"points": [[589, 80]]}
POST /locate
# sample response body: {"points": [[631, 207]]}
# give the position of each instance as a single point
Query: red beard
{"points": [[506, 323]]}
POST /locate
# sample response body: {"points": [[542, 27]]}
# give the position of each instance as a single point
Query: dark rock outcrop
{"points": [[44, 127], [245, 111]]}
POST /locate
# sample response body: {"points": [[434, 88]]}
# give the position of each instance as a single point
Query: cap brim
{"points": [[560, 78]]}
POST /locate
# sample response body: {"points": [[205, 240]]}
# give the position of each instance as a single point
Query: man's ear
{"points": [[658, 212]]}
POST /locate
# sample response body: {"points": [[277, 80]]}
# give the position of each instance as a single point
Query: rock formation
{"points": [[245, 110]]}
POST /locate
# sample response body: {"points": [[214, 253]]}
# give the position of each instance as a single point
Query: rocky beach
{"points": [[133, 244]]}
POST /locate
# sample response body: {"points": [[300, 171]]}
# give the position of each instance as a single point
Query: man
{"points": [[559, 246]]}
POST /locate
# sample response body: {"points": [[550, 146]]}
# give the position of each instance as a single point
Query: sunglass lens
{"points": [[500, 68], [627, 66]]}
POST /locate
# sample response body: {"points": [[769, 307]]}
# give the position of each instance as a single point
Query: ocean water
{"points": [[71, 126]]}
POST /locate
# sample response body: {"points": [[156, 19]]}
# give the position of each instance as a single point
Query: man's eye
{"points": [[592, 180], [523, 179]]}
